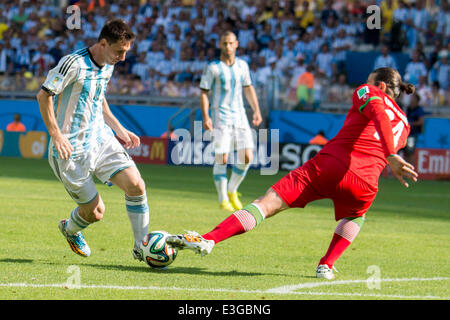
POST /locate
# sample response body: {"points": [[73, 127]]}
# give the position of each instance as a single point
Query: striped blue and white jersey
{"points": [[225, 83], [78, 85]]}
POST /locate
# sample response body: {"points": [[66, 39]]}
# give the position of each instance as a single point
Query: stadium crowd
{"points": [[296, 50]]}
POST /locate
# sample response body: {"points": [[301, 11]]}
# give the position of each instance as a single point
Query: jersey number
{"points": [[396, 131]]}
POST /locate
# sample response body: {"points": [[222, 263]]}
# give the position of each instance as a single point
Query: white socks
{"points": [[238, 174], [220, 180], [76, 222], [138, 213]]}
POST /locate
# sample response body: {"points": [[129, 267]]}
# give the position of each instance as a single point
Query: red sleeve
{"points": [[375, 111]]}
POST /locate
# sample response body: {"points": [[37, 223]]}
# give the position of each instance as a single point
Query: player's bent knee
{"points": [[135, 187], [271, 203]]}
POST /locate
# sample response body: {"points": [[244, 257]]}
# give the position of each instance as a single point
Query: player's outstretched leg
{"points": [[71, 230], [239, 222], [193, 241], [345, 233]]}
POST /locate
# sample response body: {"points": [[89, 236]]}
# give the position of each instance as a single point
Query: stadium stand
{"points": [[281, 40]]}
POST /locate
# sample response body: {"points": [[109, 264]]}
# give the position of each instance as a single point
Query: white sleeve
{"points": [[246, 78], [207, 78], [62, 75]]}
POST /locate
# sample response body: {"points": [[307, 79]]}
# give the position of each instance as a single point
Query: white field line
{"points": [[286, 289], [280, 290]]}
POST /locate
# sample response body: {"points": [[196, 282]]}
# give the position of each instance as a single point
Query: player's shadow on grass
{"points": [[174, 270], [8, 260]]}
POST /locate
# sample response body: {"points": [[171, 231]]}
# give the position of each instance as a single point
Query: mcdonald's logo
{"points": [[152, 150], [158, 150]]}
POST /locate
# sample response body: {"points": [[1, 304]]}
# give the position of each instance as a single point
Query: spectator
{"points": [[442, 19], [249, 9], [328, 12], [136, 85], [245, 35], [319, 139], [3, 26], [305, 88], [387, 14], [348, 26], [424, 92], [384, 59], [438, 95], [434, 55], [56, 51], [169, 134], [340, 91], [141, 67], [273, 83], [6, 56], [170, 89], [42, 60], [269, 52], [440, 70], [416, 117], [264, 36], [415, 69], [341, 45], [20, 17], [418, 23], [262, 72], [325, 62], [152, 83], [321, 84], [32, 83], [304, 15], [16, 125], [329, 29]]}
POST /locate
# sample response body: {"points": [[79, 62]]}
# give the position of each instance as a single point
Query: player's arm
{"points": [[206, 81], [61, 143], [204, 106], [130, 139], [250, 95], [57, 79], [374, 109]]}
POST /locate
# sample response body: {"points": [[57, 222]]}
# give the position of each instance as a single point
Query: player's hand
{"points": [[402, 169], [207, 124], [257, 119], [130, 140], [63, 146]]}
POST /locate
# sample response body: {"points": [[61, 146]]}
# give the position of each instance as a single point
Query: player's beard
{"points": [[227, 55]]}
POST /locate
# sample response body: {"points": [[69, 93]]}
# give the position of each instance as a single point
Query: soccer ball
{"points": [[155, 251]]}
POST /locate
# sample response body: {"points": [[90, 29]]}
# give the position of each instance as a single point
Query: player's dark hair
{"points": [[393, 80], [116, 30]]}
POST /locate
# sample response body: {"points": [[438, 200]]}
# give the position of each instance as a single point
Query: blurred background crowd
{"points": [[296, 50]]}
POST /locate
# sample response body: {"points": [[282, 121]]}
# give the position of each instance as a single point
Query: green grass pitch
{"points": [[402, 251]]}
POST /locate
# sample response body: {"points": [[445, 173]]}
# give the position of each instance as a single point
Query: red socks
{"points": [[337, 247], [231, 226]]}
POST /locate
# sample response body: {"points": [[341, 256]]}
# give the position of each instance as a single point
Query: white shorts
{"points": [[103, 161], [227, 139]]}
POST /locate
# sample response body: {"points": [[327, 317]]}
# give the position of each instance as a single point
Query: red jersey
{"points": [[374, 128]]}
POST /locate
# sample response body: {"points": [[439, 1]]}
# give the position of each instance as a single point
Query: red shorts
{"points": [[325, 177]]}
